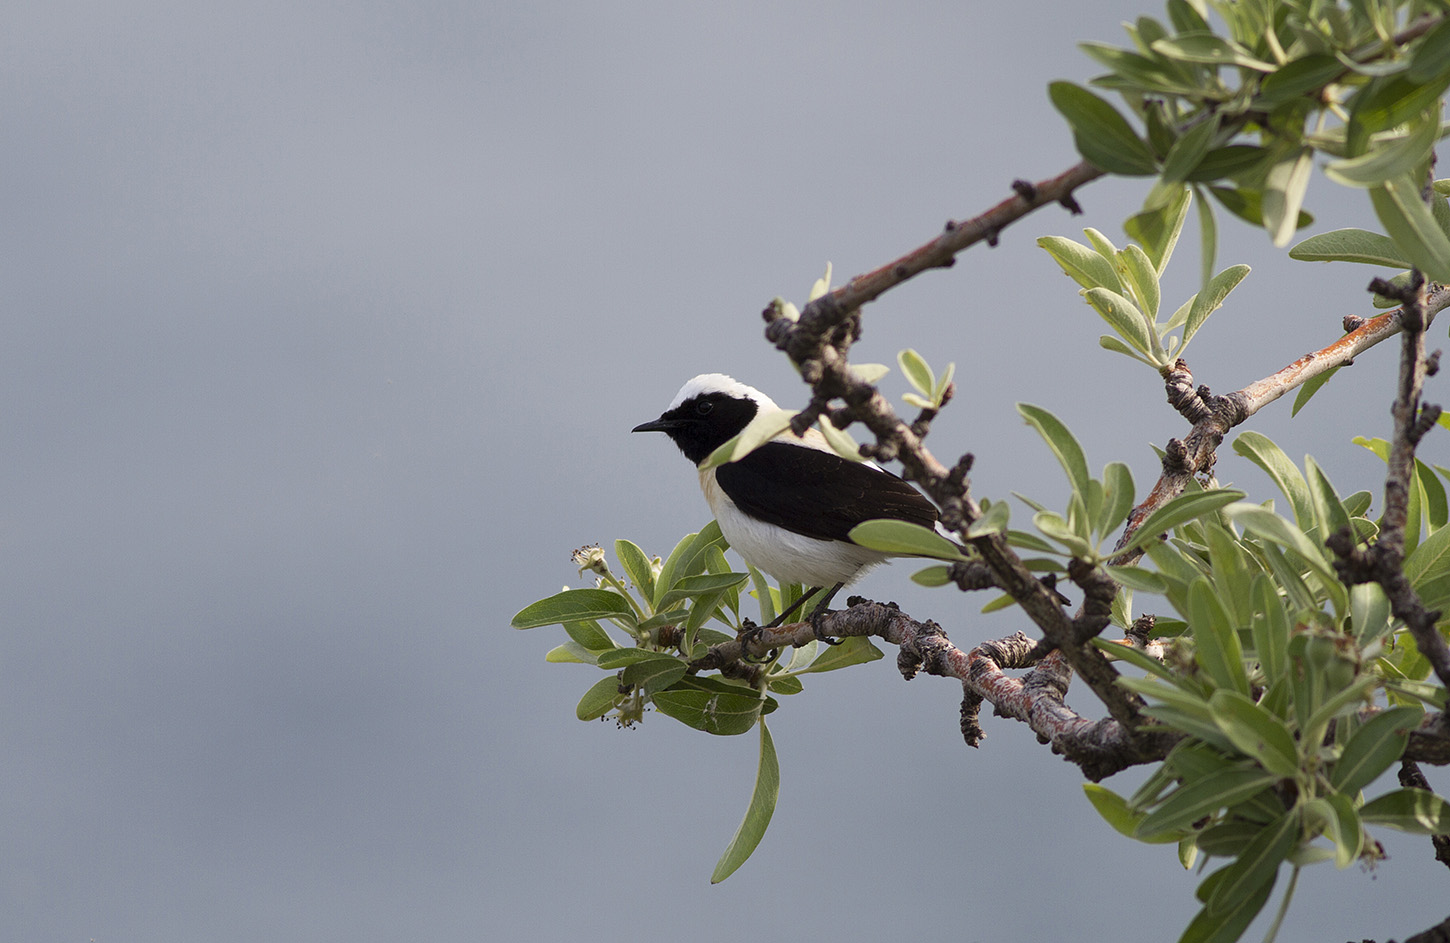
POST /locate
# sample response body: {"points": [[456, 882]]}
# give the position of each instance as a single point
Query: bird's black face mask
{"points": [[701, 424]]}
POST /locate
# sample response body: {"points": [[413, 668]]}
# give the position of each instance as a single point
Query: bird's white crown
{"points": [[707, 383]]}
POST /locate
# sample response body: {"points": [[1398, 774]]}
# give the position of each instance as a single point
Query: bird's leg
{"points": [[780, 619], [750, 633], [820, 610]]}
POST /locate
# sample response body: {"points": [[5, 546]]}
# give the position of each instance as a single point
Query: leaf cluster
{"points": [[667, 610], [1236, 100], [1294, 693]]}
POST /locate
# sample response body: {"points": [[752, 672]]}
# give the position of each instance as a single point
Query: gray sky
{"points": [[324, 328]]}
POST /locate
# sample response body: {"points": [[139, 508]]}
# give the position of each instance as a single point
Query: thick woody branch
{"points": [[1099, 747]]}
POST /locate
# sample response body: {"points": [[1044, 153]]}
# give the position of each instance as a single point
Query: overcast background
{"points": [[324, 327]]}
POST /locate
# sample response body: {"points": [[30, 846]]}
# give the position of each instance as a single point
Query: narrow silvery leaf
{"points": [[1284, 189], [1143, 278], [1412, 226], [757, 814], [761, 430], [1262, 451], [839, 440], [1409, 810], [821, 285], [916, 370], [902, 537], [1124, 317], [1211, 298], [1371, 749], [993, 521], [869, 372], [1083, 265], [574, 605], [1388, 158], [1062, 442]]}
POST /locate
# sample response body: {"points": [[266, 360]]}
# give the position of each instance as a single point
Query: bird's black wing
{"points": [[818, 493]]}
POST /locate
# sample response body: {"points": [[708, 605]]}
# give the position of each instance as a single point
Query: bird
{"points": [[788, 506]]}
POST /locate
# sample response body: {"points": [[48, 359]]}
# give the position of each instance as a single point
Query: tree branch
{"points": [[1100, 748], [1213, 416]]}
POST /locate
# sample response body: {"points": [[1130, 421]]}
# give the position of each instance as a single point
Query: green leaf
{"points": [[1270, 628], [599, 699], [933, 576], [1386, 159], [763, 595], [1412, 226], [1310, 387], [764, 427], [574, 605], [689, 557], [1124, 317], [853, 650], [655, 673], [1228, 924], [692, 587], [622, 657], [1062, 443], [1183, 158], [1157, 230], [1257, 865], [1341, 824], [1117, 497], [1430, 559], [590, 636], [1194, 800], [1267, 525], [840, 440], [1371, 749], [1115, 811], [1143, 278], [1052, 525], [1102, 135], [636, 566], [1431, 59], [1182, 509], [993, 521], [1139, 579], [1207, 237], [1350, 245], [1228, 161], [904, 538], [714, 712], [1218, 650], [757, 814], [1210, 49], [1328, 511], [1255, 731], [1262, 451], [1297, 78], [1283, 195], [571, 652], [1409, 810], [1388, 101], [1211, 298], [916, 370]]}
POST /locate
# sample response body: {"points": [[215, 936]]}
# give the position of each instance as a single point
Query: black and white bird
{"points": [[788, 506]]}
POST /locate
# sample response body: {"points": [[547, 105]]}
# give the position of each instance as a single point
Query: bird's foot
{"points": [[748, 637], [817, 617]]}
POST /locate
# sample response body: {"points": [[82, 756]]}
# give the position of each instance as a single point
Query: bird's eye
{"points": [[703, 408]]}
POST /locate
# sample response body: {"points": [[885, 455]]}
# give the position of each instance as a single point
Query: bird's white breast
{"points": [[785, 555]]}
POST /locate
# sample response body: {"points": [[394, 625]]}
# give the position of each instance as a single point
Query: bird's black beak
{"points": [[656, 425]]}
